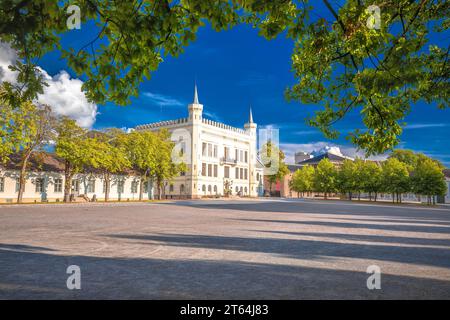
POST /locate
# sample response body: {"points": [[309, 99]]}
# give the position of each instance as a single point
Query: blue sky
{"points": [[233, 70]]}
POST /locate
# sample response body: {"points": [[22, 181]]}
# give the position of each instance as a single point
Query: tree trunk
{"points": [[141, 188], [107, 178], [350, 196], [325, 195], [393, 197], [23, 169], [67, 181], [376, 195], [359, 195], [370, 196]]}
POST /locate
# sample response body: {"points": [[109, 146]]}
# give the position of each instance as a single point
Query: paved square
{"points": [[286, 249]]}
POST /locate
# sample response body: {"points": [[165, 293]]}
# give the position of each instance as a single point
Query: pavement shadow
{"points": [[41, 275], [303, 249]]}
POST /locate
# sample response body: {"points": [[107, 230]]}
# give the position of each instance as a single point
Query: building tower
{"points": [[250, 127], [195, 118]]}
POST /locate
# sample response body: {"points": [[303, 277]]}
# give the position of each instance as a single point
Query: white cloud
{"points": [[317, 147], [425, 125], [63, 93], [163, 100]]}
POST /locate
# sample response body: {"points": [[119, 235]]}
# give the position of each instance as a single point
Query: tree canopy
{"points": [[339, 61]]}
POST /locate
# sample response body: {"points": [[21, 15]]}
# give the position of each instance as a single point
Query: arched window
{"points": [[171, 188], [204, 188], [215, 189], [182, 188], [242, 189], [209, 189], [237, 189], [257, 177], [245, 190]]}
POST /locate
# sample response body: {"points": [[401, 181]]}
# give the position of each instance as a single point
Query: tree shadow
{"points": [[366, 237], [40, 275], [322, 208], [345, 225], [303, 249]]}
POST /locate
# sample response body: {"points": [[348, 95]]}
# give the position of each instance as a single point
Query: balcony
{"points": [[226, 160]]}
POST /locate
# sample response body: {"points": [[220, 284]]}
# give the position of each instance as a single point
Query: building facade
{"points": [[221, 159]]}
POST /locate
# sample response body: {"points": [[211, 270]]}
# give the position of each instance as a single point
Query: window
{"points": [[237, 173], [209, 150], [246, 157], [204, 149], [146, 186], [245, 174], [241, 155], [39, 184], [215, 170], [58, 185], [182, 173], [120, 186], [204, 169], [226, 152], [75, 185], [245, 190], [226, 172], [257, 177], [2, 184], [171, 188], [204, 188], [182, 188], [134, 186], [209, 189], [236, 154], [215, 151], [209, 170], [215, 189], [237, 189], [90, 188], [241, 173], [18, 185]]}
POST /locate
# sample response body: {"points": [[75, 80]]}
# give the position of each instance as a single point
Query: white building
{"points": [[220, 157]]}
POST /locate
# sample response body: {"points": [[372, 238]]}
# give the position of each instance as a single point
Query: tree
{"points": [[302, 179], [343, 62], [75, 148], [25, 128], [428, 179], [325, 177], [373, 181], [273, 160], [109, 156], [346, 178], [412, 159], [9, 138], [166, 168], [141, 149], [395, 178]]}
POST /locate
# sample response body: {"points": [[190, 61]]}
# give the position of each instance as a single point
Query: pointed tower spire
{"points": [[195, 94], [250, 118]]}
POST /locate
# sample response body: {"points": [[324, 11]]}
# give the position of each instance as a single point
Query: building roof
{"points": [[195, 95], [328, 155], [446, 173], [294, 167], [49, 162], [39, 161]]}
